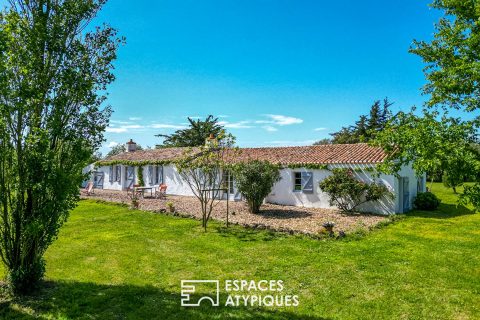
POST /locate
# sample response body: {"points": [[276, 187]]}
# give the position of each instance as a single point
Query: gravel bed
{"points": [[276, 217]]}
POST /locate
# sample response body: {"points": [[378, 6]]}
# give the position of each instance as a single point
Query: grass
{"points": [[110, 262]]}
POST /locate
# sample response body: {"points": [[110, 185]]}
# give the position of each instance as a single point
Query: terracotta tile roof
{"points": [[164, 154], [323, 154]]}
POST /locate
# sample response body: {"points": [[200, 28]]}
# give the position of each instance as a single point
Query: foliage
{"points": [[255, 180], [119, 148], [170, 206], [347, 193], [54, 75], [452, 56], [195, 135], [459, 170], [471, 195], [365, 129], [323, 142], [426, 143], [426, 201], [141, 180], [202, 169]]}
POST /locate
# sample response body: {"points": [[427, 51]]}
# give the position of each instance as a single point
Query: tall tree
{"points": [[195, 135], [452, 61], [54, 75], [367, 126], [452, 58]]}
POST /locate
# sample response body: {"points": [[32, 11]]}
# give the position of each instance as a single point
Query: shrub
{"points": [[347, 193], [426, 201], [255, 180], [141, 180], [471, 195]]}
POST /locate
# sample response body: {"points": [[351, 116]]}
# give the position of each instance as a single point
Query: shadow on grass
{"points": [[247, 234], [78, 300], [444, 211], [284, 214]]}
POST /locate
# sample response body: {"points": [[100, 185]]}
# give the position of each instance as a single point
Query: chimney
{"points": [[210, 141], [131, 146]]}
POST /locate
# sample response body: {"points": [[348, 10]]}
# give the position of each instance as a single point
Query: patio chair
{"points": [[89, 189], [161, 192]]}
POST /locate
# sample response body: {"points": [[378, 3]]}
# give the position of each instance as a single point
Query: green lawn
{"points": [[114, 263]]}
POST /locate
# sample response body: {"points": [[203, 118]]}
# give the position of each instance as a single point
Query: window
{"points": [[303, 181], [420, 184], [298, 181], [159, 175], [118, 173], [229, 182]]}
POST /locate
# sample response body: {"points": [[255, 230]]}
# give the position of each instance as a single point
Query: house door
{"points": [[405, 194], [98, 180], [130, 177], [230, 185]]}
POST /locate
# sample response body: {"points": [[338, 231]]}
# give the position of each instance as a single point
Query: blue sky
{"points": [[275, 72]]}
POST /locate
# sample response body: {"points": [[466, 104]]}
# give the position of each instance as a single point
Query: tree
{"points": [[195, 135], [120, 148], [322, 142], [452, 59], [347, 193], [365, 129], [458, 170], [428, 143], [255, 180], [203, 169], [53, 75]]}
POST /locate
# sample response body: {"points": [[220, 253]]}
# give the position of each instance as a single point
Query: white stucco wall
{"points": [[283, 191], [175, 184]]}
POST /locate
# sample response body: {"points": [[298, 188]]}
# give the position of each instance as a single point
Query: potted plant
{"points": [[135, 202], [329, 226], [171, 207]]}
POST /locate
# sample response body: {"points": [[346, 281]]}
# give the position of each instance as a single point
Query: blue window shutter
{"points": [[307, 182], [150, 175], [110, 175], [160, 174]]}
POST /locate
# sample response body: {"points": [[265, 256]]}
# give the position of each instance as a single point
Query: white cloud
{"points": [[120, 122], [166, 126], [270, 128], [235, 125], [132, 126], [320, 129], [116, 130], [112, 144], [222, 116], [282, 120], [134, 118]]}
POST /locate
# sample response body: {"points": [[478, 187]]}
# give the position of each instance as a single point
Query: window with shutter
{"points": [[159, 175], [110, 174], [297, 183], [303, 181], [118, 173], [150, 175], [307, 182]]}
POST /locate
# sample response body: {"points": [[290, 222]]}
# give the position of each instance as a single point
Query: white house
{"points": [[302, 170]]}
